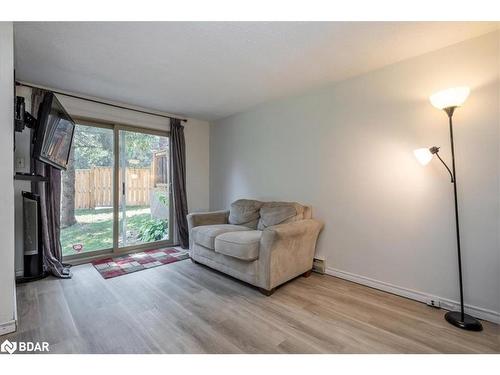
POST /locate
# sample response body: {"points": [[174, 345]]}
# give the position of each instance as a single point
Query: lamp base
{"points": [[469, 323]]}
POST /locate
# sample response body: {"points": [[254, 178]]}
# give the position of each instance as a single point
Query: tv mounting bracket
{"points": [[23, 118]]}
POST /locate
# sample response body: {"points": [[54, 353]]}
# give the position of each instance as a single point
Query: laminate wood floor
{"points": [[189, 308]]}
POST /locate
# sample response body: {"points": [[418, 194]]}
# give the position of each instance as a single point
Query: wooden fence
{"points": [[94, 187]]}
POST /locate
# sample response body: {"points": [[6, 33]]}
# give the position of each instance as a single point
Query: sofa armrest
{"points": [[298, 228], [287, 250], [197, 219]]}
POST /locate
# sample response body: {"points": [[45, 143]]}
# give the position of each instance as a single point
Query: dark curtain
{"points": [[50, 205], [178, 157]]}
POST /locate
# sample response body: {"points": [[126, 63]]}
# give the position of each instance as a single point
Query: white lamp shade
{"points": [[453, 97], [423, 155]]}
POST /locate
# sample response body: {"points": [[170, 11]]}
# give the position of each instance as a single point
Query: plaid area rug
{"points": [[122, 265]]}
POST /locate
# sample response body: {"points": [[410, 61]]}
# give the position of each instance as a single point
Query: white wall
{"points": [[197, 134], [347, 150], [7, 286]]}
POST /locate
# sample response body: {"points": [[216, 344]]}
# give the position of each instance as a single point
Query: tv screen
{"points": [[54, 134]]}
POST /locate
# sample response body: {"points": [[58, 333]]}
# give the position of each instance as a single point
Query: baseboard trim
{"points": [[8, 327], [447, 304]]}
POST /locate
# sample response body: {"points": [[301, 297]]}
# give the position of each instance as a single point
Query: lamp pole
{"points": [[459, 319], [449, 111]]}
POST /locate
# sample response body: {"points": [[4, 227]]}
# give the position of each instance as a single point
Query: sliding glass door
{"points": [[144, 208], [115, 191], [87, 192]]}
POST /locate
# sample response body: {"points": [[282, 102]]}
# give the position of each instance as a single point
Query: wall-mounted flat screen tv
{"points": [[54, 134]]}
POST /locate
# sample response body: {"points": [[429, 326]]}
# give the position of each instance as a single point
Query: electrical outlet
{"points": [[433, 302]]}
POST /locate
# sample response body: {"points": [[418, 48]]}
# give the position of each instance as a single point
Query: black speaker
{"points": [[32, 231]]}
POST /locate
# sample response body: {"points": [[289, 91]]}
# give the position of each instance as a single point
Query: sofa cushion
{"points": [[205, 234], [274, 213], [245, 212], [243, 245]]}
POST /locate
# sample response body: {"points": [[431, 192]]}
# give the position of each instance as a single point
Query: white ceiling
{"points": [[209, 70]]}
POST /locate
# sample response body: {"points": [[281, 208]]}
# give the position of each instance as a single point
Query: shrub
{"points": [[153, 230]]}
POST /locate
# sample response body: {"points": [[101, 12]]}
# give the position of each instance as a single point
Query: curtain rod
{"points": [[99, 102]]}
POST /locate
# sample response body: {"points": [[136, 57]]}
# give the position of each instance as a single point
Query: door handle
{"points": [[123, 188]]}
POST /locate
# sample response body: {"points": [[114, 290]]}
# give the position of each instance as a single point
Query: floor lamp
{"points": [[448, 100]]}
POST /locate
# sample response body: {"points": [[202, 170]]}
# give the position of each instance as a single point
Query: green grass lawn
{"points": [[95, 228]]}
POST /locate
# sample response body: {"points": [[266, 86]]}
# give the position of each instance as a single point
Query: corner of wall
{"points": [[7, 280]]}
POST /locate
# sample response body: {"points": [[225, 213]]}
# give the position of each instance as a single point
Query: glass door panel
{"points": [[87, 192], [143, 212]]}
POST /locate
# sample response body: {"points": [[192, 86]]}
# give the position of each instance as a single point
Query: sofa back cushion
{"points": [[245, 212], [274, 213]]}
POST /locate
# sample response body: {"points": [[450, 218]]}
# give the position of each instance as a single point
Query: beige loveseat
{"points": [[262, 243]]}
